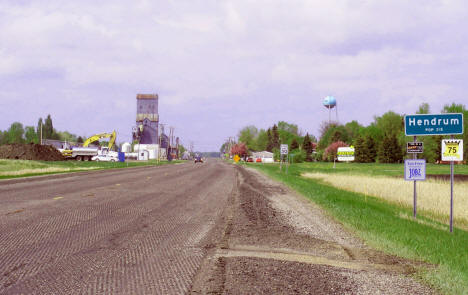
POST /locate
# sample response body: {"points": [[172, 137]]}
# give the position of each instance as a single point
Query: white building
{"points": [[266, 157]]}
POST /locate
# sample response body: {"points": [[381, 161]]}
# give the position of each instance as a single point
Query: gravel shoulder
{"points": [[270, 240]]}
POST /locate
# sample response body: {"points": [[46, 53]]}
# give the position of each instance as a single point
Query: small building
{"points": [[265, 156]]}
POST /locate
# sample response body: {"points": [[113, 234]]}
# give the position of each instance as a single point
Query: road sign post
{"points": [[284, 150], [452, 150]]}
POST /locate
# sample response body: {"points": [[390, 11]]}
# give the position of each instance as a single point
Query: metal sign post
{"points": [[414, 148], [415, 196], [284, 150], [415, 170], [452, 150], [451, 196]]}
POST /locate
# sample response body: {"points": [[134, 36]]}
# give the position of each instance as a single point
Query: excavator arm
{"points": [[95, 137]]}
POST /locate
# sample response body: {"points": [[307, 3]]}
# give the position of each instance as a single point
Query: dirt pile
{"points": [[30, 152]]}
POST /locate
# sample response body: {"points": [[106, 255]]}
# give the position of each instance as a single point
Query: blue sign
{"points": [[440, 124], [415, 169]]}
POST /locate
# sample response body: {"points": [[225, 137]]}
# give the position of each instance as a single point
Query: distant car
{"points": [[258, 160], [250, 159], [104, 158], [198, 159]]}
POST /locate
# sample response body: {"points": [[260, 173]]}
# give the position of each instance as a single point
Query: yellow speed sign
{"points": [[452, 150]]}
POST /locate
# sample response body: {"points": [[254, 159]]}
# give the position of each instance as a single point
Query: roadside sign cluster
{"points": [[452, 149]]}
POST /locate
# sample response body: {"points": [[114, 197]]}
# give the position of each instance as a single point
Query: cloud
{"points": [[231, 62]]}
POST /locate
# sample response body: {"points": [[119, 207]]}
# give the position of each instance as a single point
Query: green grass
{"points": [[23, 168], [383, 225], [376, 168]]}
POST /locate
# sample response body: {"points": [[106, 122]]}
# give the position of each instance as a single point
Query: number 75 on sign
{"points": [[452, 150]]}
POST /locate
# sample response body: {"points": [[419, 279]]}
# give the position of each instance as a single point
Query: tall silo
{"points": [[147, 119]]}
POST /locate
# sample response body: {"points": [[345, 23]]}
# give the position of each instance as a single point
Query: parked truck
{"points": [[86, 153]]}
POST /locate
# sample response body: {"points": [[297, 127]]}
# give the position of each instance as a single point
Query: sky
{"points": [[218, 66]]}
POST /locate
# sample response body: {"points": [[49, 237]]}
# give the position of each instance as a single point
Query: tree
{"points": [[390, 123], [66, 136], [352, 129], [287, 127], [360, 150], [239, 149], [30, 134], [334, 133], [3, 137], [48, 128], [182, 149], [275, 137], [307, 146], [331, 151], [423, 108], [39, 132], [297, 156], [79, 139], [269, 146], [371, 149], [248, 136], [294, 144], [15, 133], [262, 140], [390, 150], [288, 132]]}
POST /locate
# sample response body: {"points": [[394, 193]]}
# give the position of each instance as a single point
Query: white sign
{"points": [[415, 169], [452, 149], [345, 154], [284, 149]]}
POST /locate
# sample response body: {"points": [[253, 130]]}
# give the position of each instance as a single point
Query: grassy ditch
{"points": [[23, 168], [387, 225]]}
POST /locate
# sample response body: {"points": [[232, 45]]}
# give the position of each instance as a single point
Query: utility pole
{"points": [[191, 148], [171, 139], [41, 132], [161, 131]]}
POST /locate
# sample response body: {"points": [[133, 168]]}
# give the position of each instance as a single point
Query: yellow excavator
{"points": [[96, 137], [85, 153]]}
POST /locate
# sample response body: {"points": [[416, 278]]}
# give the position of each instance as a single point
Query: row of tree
{"points": [[383, 140], [17, 133], [252, 139]]}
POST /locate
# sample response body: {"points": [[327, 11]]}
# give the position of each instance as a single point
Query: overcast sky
{"points": [[220, 65]]}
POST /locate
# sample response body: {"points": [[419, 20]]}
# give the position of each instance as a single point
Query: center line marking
{"points": [[58, 198]]}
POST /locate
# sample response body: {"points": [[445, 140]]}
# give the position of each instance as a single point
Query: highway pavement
{"points": [[126, 231]]}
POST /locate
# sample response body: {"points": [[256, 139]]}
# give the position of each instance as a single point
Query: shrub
{"points": [[331, 150]]}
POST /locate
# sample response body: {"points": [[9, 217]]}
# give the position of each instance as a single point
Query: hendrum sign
{"points": [[434, 124]]}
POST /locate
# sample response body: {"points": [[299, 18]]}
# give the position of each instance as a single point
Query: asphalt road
{"points": [[129, 231], [211, 228]]}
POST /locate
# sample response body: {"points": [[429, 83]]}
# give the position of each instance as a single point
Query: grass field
{"points": [[385, 224], [22, 168], [433, 196]]}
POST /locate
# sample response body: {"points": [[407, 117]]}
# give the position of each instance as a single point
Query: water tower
{"points": [[330, 102]]}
